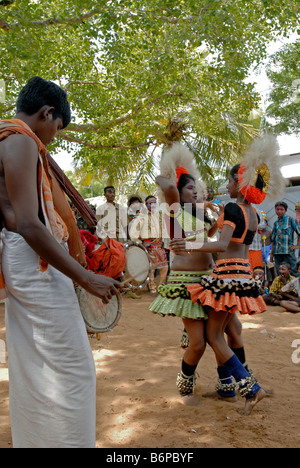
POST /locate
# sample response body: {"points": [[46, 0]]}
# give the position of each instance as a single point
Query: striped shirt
{"points": [[283, 234]]}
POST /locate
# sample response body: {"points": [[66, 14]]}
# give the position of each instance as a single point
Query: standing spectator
{"points": [[297, 209], [150, 228], [210, 197], [135, 204], [255, 249], [81, 223], [112, 218], [266, 252], [283, 249]]}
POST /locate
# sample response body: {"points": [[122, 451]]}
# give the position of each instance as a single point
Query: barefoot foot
{"points": [[252, 402], [268, 392], [191, 400]]}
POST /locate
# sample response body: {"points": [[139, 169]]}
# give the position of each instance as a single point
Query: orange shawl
{"points": [[54, 222]]}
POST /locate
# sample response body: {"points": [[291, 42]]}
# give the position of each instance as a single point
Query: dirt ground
{"points": [[137, 402]]}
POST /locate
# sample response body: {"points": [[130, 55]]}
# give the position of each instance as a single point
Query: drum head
{"points": [[99, 317], [138, 265]]}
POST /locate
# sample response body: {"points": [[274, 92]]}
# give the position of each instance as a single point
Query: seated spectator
{"points": [[282, 279], [278, 297], [259, 275], [293, 286]]}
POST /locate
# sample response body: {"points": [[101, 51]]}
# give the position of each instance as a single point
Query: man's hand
{"points": [[284, 279], [102, 286]]}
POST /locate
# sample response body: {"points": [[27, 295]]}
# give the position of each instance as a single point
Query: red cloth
{"points": [[110, 261], [105, 261], [89, 243]]}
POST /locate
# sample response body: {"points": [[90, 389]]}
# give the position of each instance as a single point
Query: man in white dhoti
{"points": [[51, 368]]}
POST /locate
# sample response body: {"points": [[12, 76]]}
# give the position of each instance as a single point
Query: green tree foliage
{"points": [[284, 74], [141, 74]]}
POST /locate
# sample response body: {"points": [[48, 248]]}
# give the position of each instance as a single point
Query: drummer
{"points": [[52, 377], [149, 228]]}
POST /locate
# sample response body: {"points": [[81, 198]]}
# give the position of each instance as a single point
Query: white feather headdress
{"points": [[260, 172], [179, 156]]}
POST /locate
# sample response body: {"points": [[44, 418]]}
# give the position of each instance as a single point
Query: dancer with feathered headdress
{"points": [[180, 188], [231, 287]]}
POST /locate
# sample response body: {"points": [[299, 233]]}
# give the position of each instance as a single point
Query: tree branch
{"points": [[67, 137], [4, 25], [54, 21], [4, 111], [141, 104], [4, 3], [50, 21], [88, 83]]}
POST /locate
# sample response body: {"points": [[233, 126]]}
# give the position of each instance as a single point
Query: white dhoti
{"points": [[52, 379]]}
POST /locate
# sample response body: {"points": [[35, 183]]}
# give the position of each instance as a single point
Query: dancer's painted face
{"points": [[189, 193]]}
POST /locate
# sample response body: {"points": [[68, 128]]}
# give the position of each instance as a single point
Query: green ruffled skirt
{"points": [[174, 299]]}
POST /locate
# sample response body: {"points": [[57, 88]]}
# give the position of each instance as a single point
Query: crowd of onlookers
{"points": [[280, 270]]}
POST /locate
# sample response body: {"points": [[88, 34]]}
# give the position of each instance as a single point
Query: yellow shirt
{"points": [[278, 284]]}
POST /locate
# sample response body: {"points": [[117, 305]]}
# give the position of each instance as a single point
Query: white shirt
{"points": [[292, 285], [112, 221]]}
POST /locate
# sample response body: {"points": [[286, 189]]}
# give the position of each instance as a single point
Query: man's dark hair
{"points": [[285, 264], [281, 203], [148, 198], [38, 93], [134, 198], [109, 187]]}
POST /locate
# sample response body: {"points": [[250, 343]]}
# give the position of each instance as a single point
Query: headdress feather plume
{"points": [[176, 161], [260, 172]]}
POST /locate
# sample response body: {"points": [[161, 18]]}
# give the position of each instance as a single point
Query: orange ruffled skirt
{"points": [[230, 288]]}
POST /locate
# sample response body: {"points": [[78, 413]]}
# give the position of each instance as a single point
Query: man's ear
{"points": [[46, 112]]}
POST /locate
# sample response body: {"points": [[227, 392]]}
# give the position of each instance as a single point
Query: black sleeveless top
{"points": [[235, 216]]}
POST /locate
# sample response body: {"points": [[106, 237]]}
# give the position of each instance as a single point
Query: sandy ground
{"points": [[137, 401]]}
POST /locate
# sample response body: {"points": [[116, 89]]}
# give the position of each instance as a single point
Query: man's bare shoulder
{"points": [[17, 145]]}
